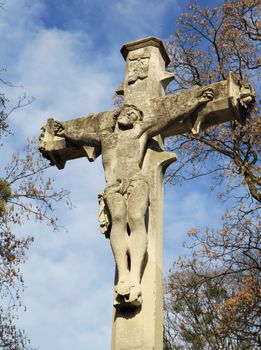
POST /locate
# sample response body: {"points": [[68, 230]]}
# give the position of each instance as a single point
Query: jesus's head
{"points": [[127, 116]]}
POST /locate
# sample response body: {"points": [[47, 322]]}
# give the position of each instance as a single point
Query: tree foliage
{"points": [[217, 313], [25, 194], [208, 44]]}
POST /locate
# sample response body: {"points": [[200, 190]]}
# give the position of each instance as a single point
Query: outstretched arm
{"points": [[176, 109], [77, 134], [62, 141], [199, 108]]}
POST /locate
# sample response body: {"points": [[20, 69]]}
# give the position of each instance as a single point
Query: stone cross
{"points": [[131, 142]]}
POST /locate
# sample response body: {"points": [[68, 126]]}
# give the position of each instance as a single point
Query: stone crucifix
{"points": [[130, 140]]}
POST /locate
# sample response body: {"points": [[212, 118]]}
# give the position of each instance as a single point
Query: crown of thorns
{"points": [[118, 111]]}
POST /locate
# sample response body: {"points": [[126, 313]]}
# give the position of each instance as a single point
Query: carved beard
{"points": [[126, 126]]}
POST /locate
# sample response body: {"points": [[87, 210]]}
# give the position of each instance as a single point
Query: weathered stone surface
{"points": [[130, 140]]}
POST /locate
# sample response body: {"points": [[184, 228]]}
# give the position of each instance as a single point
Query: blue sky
{"points": [[67, 55]]}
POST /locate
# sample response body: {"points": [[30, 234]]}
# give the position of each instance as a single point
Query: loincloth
{"points": [[121, 186]]}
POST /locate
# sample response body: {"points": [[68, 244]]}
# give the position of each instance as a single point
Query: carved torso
{"points": [[121, 155]]}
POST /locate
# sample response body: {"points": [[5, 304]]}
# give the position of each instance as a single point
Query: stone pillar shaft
{"points": [[143, 328]]}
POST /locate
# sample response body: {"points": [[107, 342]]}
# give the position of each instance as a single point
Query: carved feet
{"points": [[122, 288], [128, 295]]}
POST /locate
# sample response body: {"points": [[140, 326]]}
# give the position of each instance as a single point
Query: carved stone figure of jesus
{"points": [[126, 196]]}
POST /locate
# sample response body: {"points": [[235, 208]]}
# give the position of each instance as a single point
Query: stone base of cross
{"points": [[130, 140]]}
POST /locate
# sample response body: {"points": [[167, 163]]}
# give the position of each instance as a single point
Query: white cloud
{"points": [[18, 19], [52, 68]]}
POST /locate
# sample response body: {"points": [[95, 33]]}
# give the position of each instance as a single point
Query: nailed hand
{"points": [[206, 96], [59, 129]]}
